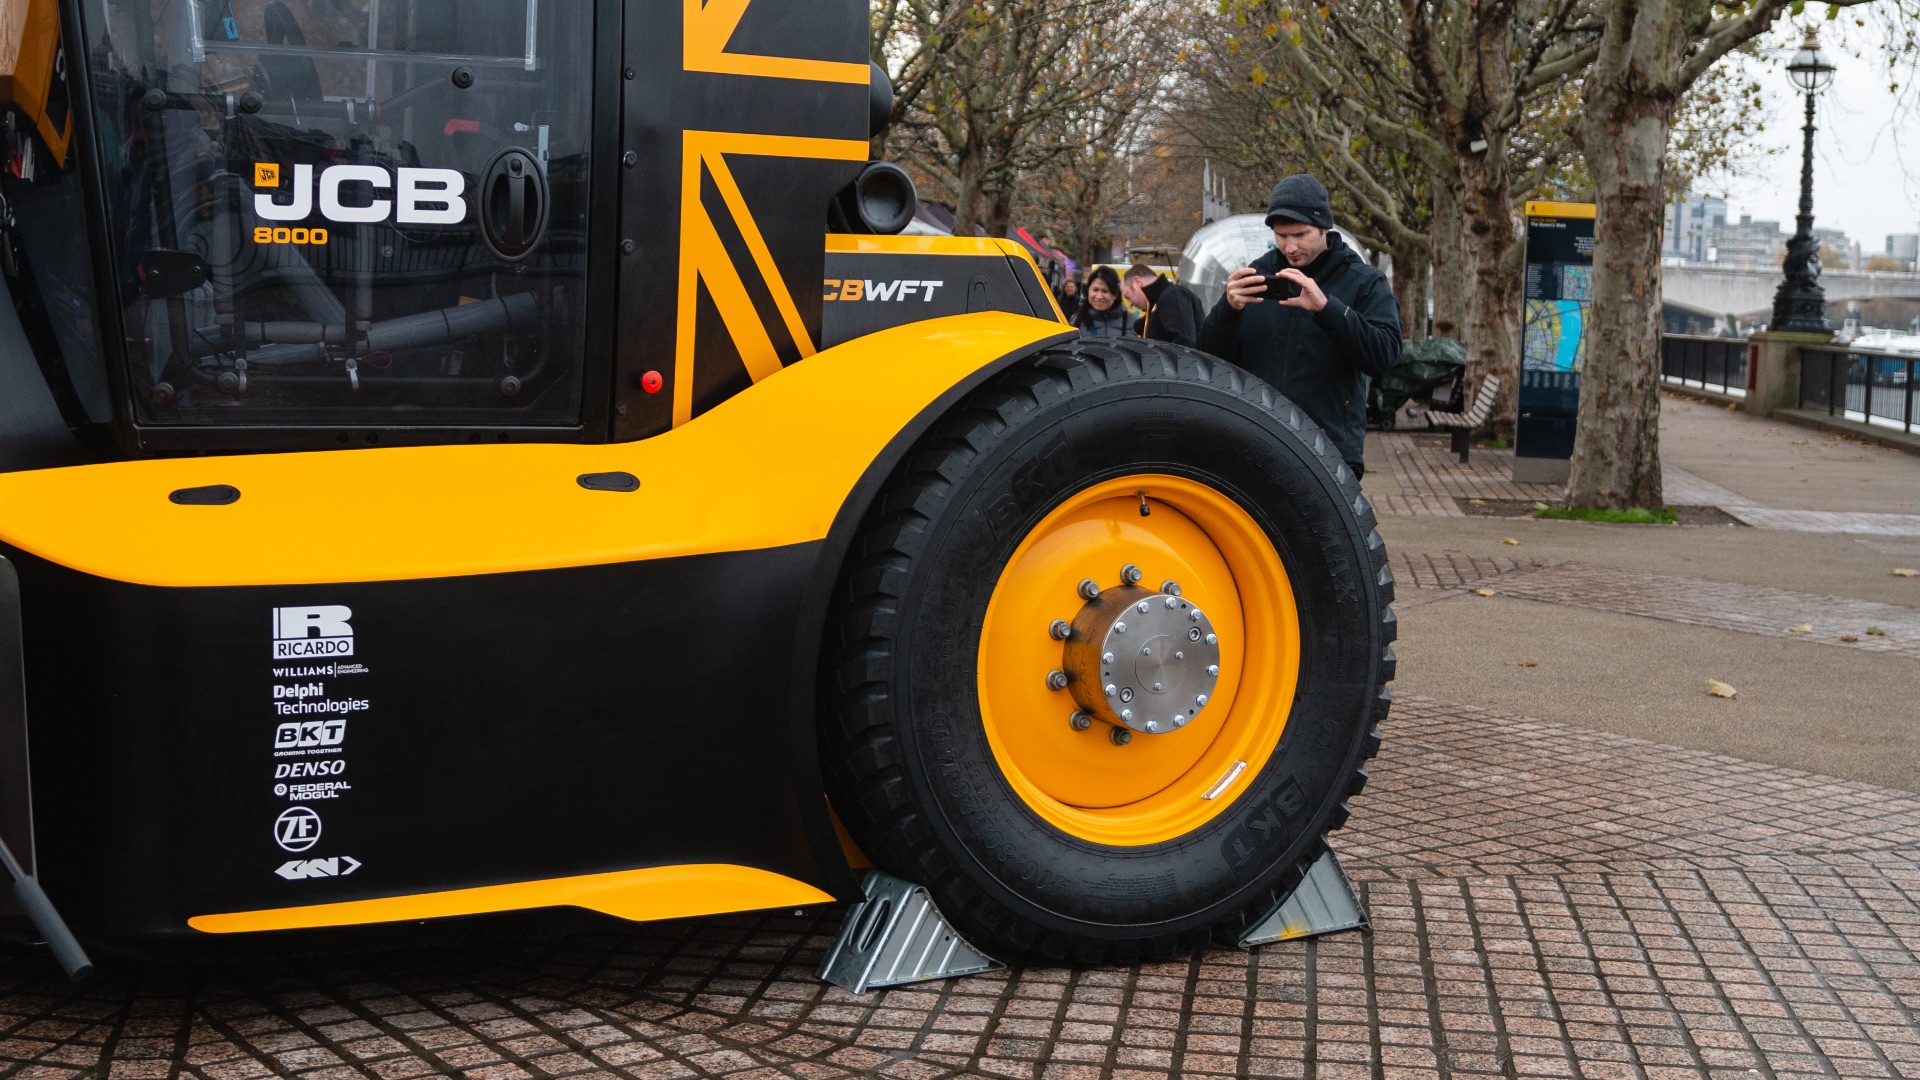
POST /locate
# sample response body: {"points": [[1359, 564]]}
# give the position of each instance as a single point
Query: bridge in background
{"points": [[1730, 294]]}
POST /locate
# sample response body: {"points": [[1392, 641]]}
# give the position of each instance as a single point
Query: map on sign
{"points": [[1552, 336]]}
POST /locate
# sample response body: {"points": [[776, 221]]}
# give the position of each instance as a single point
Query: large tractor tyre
{"points": [[1109, 655]]}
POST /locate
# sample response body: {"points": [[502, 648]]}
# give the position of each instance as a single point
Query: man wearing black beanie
{"points": [[1334, 324]]}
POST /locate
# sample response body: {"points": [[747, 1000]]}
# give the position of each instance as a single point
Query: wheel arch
{"points": [[832, 557]]}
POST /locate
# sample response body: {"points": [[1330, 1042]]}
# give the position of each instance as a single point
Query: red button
{"points": [[651, 382]]}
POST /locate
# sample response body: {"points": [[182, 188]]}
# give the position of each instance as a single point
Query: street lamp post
{"points": [[1800, 304]]}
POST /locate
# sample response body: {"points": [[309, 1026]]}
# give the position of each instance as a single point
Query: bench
{"points": [[1463, 424]]}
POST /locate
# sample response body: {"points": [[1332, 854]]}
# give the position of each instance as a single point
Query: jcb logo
{"points": [[352, 195], [868, 289]]}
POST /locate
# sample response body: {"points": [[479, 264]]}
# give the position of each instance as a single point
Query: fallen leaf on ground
{"points": [[1849, 637], [1522, 663], [1733, 408], [1490, 592], [1716, 688], [1904, 572], [1799, 442], [1874, 631], [1476, 502], [1803, 628], [1510, 540], [1540, 506]]}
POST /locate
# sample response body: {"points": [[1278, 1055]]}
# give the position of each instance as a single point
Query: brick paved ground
{"points": [[1547, 901], [1750, 609]]}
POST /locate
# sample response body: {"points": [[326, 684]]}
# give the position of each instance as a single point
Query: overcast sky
{"points": [[1866, 170]]}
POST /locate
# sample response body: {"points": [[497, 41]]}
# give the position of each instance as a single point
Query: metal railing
{"points": [[1876, 388], [1705, 363]]}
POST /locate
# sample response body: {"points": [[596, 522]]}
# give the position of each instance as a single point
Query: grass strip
{"points": [[1638, 515]]}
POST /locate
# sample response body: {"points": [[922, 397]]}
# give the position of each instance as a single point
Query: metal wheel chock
{"points": [[897, 936], [1323, 903]]}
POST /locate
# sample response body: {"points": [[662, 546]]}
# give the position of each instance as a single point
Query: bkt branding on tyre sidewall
{"points": [[351, 195]]}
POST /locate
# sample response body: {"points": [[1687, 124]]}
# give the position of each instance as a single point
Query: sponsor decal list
{"points": [[312, 706]]}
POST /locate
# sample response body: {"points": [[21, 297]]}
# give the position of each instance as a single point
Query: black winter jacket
{"points": [[1111, 323], [1173, 313], [1320, 360]]}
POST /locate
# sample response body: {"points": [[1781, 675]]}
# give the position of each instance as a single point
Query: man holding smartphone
{"points": [[1310, 317]]}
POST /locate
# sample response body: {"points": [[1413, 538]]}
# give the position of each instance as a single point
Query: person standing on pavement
{"points": [[1173, 312], [1318, 346], [1069, 297], [1103, 315]]}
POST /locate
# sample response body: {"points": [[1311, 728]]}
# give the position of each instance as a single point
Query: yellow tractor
{"points": [[481, 456]]}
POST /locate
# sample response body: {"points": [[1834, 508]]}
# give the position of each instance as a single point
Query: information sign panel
{"points": [[1553, 338]]}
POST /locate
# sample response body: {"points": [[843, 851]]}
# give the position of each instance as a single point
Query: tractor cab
{"points": [[338, 216]]}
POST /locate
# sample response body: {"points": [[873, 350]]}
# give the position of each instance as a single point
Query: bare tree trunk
{"points": [[1412, 269], [1494, 282], [1000, 210], [1629, 98], [1449, 266]]}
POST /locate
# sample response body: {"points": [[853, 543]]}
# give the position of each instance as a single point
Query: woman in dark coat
{"points": [[1069, 297], [1104, 315]]}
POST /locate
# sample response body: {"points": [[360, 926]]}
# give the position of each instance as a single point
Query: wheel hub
{"points": [[1142, 660]]}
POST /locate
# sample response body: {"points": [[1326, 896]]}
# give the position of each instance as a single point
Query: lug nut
{"points": [[1079, 721], [1213, 639], [1089, 589], [1119, 628], [1152, 724], [1106, 658], [1213, 669], [1127, 715], [1060, 629], [1200, 700], [1170, 587], [1056, 680], [1141, 607], [1130, 574], [1120, 736], [1172, 603], [1111, 689], [1194, 615]]}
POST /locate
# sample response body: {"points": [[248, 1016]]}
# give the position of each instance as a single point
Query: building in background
{"points": [[1747, 244], [1903, 248], [1688, 219]]}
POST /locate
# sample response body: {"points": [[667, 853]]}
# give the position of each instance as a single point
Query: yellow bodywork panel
{"points": [[768, 467], [659, 892]]}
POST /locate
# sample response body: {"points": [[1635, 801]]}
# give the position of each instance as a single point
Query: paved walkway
{"points": [[1759, 474], [1546, 901]]}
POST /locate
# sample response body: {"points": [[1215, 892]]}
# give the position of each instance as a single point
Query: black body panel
{"points": [[505, 728], [869, 291]]}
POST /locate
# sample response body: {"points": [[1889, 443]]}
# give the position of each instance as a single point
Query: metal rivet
{"points": [[1157, 688], [1119, 628], [1057, 680], [1200, 700], [252, 102], [463, 77], [1120, 736], [626, 247], [1060, 630], [1079, 721], [1146, 650], [1126, 714], [1152, 724], [156, 99], [1112, 689], [629, 73], [1130, 574], [1170, 587], [1179, 655], [1106, 658], [1213, 669], [1126, 693], [1090, 588], [1142, 608], [1172, 603], [629, 159], [1213, 639]]}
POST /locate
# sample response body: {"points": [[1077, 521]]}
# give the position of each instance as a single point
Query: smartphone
{"points": [[1278, 288]]}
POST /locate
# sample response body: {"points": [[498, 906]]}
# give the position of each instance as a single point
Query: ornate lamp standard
{"points": [[1800, 304]]}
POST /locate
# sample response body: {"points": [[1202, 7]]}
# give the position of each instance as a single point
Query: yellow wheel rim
{"points": [[1157, 787]]}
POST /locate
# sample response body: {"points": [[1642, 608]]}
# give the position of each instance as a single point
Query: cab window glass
{"points": [[358, 212]]}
